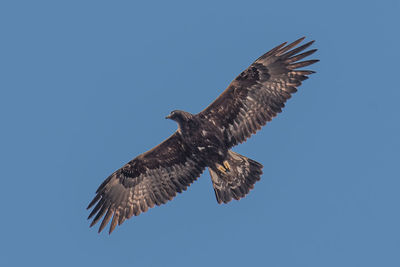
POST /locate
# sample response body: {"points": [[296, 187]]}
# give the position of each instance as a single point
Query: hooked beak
{"points": [[168, 117]]}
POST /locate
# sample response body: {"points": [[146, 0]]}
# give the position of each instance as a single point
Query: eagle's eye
{"points": [[172, 115]]}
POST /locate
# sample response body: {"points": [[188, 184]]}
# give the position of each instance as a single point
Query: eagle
{"points": [[204, 140]]}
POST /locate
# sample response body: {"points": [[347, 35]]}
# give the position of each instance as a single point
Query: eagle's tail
{"points": [[235, 177]]}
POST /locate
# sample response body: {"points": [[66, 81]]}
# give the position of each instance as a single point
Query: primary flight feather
{"points": [[204, 140]]}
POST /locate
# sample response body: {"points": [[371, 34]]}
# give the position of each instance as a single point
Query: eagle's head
{"points": [[179, 116]]}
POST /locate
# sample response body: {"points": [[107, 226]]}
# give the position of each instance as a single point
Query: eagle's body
{"points": [[202, 135], [204, 140]]}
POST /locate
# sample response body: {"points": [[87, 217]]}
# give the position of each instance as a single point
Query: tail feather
{"points": [[237, 180]]}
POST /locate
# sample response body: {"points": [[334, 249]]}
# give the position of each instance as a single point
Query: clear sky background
{"points": [[85, 87]]}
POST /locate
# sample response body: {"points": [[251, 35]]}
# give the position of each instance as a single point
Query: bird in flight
{"points": [[204, 140]]}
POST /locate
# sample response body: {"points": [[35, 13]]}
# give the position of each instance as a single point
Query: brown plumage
{"points": [[204, 140]]}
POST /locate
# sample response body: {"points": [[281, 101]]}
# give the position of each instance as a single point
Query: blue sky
{"points": [[85, 87]]}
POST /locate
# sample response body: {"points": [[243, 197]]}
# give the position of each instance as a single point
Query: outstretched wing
{"points": [[259, 93], [150, 179]]}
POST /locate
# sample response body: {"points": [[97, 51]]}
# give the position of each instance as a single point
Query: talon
{"points": [[221, 168], [227, 166]]}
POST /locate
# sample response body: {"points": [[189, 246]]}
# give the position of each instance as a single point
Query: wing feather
{"points": [[259, 93], [150, 179]]}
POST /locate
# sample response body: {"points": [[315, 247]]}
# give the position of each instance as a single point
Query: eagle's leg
{"points": [[227, 166], [224, 168], [221, 168]]}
